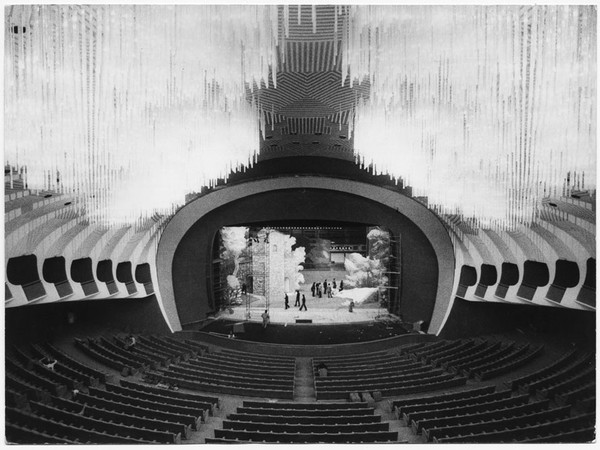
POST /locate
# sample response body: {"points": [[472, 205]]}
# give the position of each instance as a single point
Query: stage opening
{"points": [[320, 273]]}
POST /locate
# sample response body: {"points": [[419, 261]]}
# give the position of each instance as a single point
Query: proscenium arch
{"points": [[171, 254]]}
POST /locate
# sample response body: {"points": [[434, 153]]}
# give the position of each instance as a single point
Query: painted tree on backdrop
{"points": [[370, 271], [294, 258], [319, 253], [234, 242]]}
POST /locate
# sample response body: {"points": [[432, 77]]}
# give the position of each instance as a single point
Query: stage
{"points": [[318, 310], [307, 334]]}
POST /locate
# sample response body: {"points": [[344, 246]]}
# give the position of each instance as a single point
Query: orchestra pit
{"points": [[311, 224]]}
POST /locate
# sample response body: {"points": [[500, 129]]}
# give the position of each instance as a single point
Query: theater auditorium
{"points": [[300, 224]]}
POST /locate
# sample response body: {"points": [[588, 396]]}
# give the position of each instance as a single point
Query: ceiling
{"points": [[306, 108]]}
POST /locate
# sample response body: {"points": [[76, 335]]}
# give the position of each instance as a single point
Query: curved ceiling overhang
{"points": [[417, 213]]}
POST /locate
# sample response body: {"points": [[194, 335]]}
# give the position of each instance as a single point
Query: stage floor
{"points": [[319, 310]]}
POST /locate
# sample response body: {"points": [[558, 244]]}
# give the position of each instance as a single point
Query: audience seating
{"points": [[503, 421], [460, 355], [39, 381], [455, 419], [71, 362], [382, 372], [15, 399], [416, 418], [107, 414], [482, 415], [214, 402], [201, 349], [398, 405], [350, 411], [105, 358], [422, 382], [130, 357], [114, 403], [173, 345], [75, 433], [524, 432], [435, 357], [202, 408], [552, 404], [409, 410], [289, 438], [128, 431], [197, 413], [478, 351], [27, 435], [304, 423], [23, 387], [570, 373], [508, 363], [539, 374], [425, 354], [481, 360], [145, 354], [237, 387], [236, 373], [175, 354], [583, 435], [586, 404], [406, 349]]}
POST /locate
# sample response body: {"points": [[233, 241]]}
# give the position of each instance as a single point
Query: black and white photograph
{"points": [[330, 223]]}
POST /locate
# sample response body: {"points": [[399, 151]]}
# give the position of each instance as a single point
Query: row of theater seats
{"points": [[483, 414], [268, 422], [384, 372], [128, 413], [147, 353], [473, 357], [418, 367], [73, 403], [70, 402], [236, 373], [570, 380], [28, 379]]}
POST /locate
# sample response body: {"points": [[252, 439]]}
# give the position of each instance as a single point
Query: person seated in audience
{"points": [[48, 363], [322, 369], [173, 387], [130, 342]]}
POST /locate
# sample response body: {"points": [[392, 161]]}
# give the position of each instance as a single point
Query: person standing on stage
{"points": [[297, 298], [287, 301], [333, 284], [320, 291], [265, 318], [329, 293], [312, 288], [303, 303], [341, 285], [325, 286]]}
